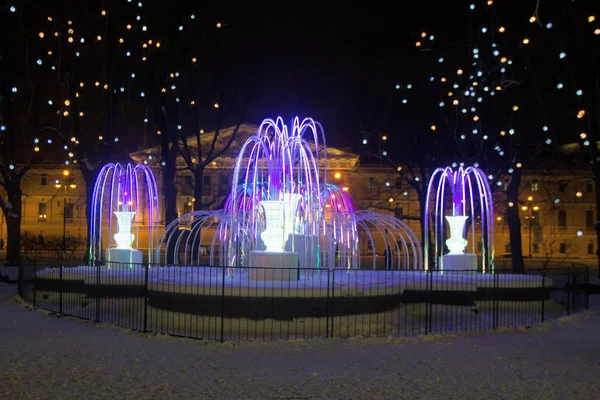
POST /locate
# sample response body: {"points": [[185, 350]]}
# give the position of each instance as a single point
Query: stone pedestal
{"points": [[306, 247], [274, 266], [126, 256], [461, 262]]}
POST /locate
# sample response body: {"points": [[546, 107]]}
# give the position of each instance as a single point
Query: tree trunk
{"points": [[170, 191], [198, 187], [514, 222], [169, 156], [89, 177], [13, 224], [431, 263], [595, 136]]}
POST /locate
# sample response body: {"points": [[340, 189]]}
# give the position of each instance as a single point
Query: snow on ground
{"points": [[47, 358]]}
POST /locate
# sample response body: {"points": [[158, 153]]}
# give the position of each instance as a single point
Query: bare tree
{"points": [[31, 66], [198, 81], [555, 247]]}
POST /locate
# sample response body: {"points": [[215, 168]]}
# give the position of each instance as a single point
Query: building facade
{"points": [[557, 208]]}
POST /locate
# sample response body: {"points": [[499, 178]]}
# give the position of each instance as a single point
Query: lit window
{"points": [[42, 207], [187, 207], [534, 185]]}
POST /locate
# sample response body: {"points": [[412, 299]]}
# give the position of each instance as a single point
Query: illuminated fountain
{"points": [[286, 248], [129, 194], [468, 193], [282, 213]]}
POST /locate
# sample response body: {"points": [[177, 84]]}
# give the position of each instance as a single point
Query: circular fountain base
{"points": [[206, 302], [205, 290]]}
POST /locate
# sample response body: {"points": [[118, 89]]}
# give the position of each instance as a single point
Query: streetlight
{"points": [[530, 218], [66, 184]]}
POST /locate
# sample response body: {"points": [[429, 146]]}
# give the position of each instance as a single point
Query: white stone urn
{"points": [[280, 216], [124, 237], [456, 243]]}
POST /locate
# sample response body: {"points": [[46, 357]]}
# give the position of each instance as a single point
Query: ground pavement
{"points": [[42, 357]]}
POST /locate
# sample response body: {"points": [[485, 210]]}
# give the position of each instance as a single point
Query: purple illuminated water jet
{"points": [[280, 197], [468, 193], [126, 195]]}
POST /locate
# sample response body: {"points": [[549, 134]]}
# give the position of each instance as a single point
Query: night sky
{"points": [[335, 65], [338, 65]]}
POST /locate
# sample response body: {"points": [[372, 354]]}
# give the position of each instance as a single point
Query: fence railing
{"points": [[262, 303]]}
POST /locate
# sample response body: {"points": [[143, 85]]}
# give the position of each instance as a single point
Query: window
{"points": [[536, 247], [562, 218], [589, 187], [371, 183], [589, 219], [206, 179], [399, 183], [534, 185], [398, 212], [69, 212], [507, 247], [44, 180], [562, 248], [188, 185], [479, 247], [590, 248], [562, 186], [224, 180], [42, 211]]}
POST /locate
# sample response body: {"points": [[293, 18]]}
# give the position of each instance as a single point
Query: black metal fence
{"points": [[257, 303]]}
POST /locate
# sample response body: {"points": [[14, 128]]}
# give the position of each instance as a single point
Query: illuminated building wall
{"points": [[563, 227]]}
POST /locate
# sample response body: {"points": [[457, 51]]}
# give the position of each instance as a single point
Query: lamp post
{"points": [[66, 184], [530, 218]]}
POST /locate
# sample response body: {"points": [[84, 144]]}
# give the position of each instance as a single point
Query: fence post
{"points": [[543, 292], [495, 301], [21, 277], [223, 302], [60, 280], [34, 282], [568, 290], [332, 271], [97, 265], [327, 305], [146, 267], [428, 286], [587, 292]]}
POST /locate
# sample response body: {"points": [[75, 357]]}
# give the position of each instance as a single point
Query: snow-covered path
{"points": [[45, 358]]}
